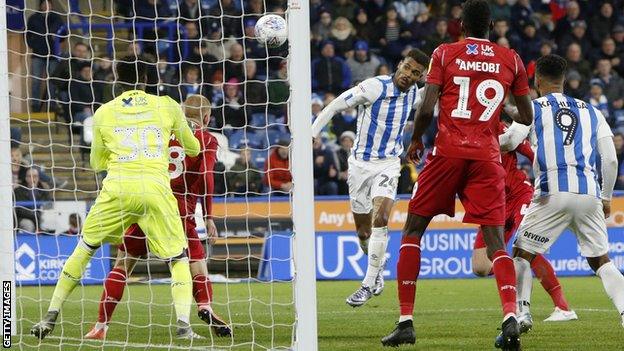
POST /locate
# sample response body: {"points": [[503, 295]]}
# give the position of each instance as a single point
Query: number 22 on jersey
{"points": [[490, 104]]}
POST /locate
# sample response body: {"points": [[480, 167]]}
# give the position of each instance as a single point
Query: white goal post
{"points": [[301, 165], [7, 247]]}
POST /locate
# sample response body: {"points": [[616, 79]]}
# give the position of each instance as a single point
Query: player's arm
{"points": [[363, 93], [516, 133], [183, 131], [609, 162], [423, 119], [426, 104], [99, 153], [206, 188], [522, 114]]}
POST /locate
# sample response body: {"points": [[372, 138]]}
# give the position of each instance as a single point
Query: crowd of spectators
{"points": [[351, 40]]}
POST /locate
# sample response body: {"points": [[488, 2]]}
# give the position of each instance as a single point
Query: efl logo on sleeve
{"points": [[6, 314]]}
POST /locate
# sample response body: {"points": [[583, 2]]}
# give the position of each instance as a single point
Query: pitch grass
{"points": [[450, 315]]}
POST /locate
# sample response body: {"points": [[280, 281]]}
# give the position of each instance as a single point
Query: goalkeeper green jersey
{"points": [[131, 135]]}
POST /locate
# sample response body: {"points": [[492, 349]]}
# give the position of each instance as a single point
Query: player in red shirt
{"points": [[518, 196], [191, 179], [469, 79]]}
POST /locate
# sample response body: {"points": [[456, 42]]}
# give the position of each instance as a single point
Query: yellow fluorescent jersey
{"points": [[131, 135]]}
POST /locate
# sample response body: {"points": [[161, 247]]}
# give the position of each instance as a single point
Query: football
{"points": [[271, 30]]}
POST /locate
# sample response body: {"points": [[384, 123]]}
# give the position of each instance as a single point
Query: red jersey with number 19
{"points": [[474, 76]]}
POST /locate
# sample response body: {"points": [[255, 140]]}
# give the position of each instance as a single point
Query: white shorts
{"points": [[548, 216], [370, 179]]}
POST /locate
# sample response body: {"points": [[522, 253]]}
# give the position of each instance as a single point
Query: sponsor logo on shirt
{"points": [[478, 66], [487, 50], [472, 49]]}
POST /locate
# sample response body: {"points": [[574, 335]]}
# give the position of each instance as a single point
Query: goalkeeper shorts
{"points": [[134, 242], [123, 202]]}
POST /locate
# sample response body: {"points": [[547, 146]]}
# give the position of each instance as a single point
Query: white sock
{"points": [[403, 318], [376, 254], [613, 283], [524, 284], [99, 325]]}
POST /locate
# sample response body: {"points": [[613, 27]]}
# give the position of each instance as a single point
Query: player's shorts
{"points": [[515, 209], [134, 242], [479, 184], [370, 179], [123, 202], [548, 216]]}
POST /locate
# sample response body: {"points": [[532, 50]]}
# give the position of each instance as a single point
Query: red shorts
{"points": [[135, 244], [515, 209], [480, 186]]}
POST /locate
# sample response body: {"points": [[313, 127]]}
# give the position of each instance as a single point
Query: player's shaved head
{"points": [[197, 107], [131, 71], [476, 18], [550, 72]]}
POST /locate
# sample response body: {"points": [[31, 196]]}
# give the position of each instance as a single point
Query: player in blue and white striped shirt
{"points": [[385, 103], [569, 135]]}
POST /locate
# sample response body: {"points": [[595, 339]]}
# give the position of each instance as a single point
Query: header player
{"points": [[518, 196], [470, 79], [568, 134], [129, 136], [374, 164], [191, 179]]}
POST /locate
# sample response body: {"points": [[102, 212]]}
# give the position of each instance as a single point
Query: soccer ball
{"points": [[271, 30]]}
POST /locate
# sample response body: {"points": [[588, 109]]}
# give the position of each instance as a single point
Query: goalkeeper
{"points": [[191, 178], [130, 134]]}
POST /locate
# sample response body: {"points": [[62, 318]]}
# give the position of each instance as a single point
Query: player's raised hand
{"points": [[211, 230], [606, 208], [415, 151]]}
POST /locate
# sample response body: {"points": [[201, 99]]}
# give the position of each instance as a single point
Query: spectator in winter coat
{"points": [[602, 23], [608, 50], [346, 143], [330, 73], [364, 63], [277, 168], [343, 8], [244, 177], [422, 27], [500, 10], [440, 36], [41, 32], [343, 36], [364, 28], [613, 84], [85, 95], [564, 25], [574, 57], [325, 172], [597, 99], [31, 190], [321, 30], [575, 86], [578, 35]]}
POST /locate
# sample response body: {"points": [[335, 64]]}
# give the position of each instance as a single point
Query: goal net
{"points": [[58, 68]]}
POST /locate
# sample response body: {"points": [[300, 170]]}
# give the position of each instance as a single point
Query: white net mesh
{"points": [[61, 60]]}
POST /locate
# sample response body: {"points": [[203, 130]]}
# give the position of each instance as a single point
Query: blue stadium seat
{"points": [[257, 139], [238, 140], [259, 157], [261, 120]]}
